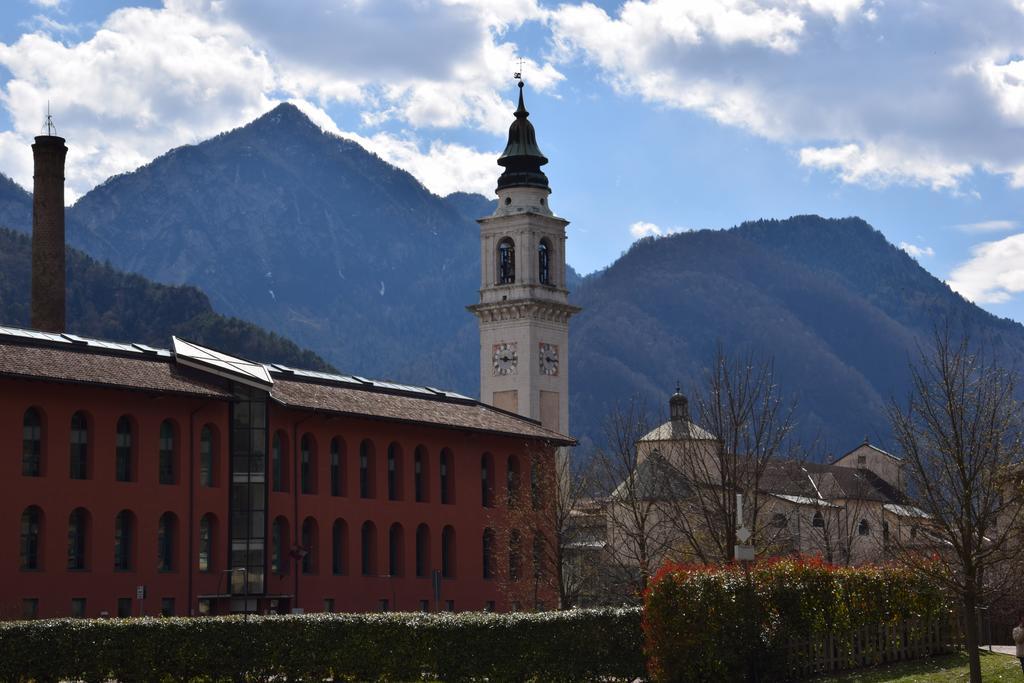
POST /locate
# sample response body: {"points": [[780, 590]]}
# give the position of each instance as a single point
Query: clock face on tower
{"points": [[548, 359], [504, 358]]}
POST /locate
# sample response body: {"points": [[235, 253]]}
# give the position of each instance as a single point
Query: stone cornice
{"points": [[524, 309]]}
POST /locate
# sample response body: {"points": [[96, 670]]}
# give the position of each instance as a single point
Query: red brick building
{"points": [[222, 485]]}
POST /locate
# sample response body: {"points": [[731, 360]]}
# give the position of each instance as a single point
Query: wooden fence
{"points": [[873, 645]]}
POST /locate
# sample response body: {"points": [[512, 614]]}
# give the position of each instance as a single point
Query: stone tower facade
{"points": [[48, 306], [524, 305]]}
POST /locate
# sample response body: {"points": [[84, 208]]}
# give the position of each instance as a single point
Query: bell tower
{"points": [[524, 305]]}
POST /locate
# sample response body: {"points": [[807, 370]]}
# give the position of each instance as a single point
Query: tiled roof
{"points": [[458, 413], [140, 372], [72, 359]]}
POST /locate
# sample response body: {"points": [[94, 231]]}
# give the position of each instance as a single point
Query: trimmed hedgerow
{"points": [[577, 645], [707, 623]]}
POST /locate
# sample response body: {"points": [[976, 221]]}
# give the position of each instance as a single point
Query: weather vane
{"points": [[519, 74], [50, 128]]}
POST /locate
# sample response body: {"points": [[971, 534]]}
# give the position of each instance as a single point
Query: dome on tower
{"points": [[522, 157]]}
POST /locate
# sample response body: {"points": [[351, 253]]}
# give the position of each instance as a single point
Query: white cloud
{"points": [[994, 273], [879, 93], [443, 168], [48, 4], [148, 80], [916, 251], [988, 226], [647, 229], [153, 79], [876, 166]]}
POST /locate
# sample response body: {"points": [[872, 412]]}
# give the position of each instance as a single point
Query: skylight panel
{"points": [[32, 334], [239, 369]]}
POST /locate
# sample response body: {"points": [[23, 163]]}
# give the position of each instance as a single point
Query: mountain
{"points": [[315, 238], [109, 304], [838, 308], [305, 234]]}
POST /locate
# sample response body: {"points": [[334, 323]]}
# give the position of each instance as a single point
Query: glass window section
{"points": [[335, 468], [123, 541], [206, 457], [31, 444], [167, 473], [76, 539], [205, 544], [79, 445], [123, 450], [248, 490], [30, 523]]}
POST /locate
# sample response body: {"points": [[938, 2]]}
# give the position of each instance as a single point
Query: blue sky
{"points": [[657, 115]]}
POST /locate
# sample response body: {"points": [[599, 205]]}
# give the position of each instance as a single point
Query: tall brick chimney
{"points": [[48, 307]]}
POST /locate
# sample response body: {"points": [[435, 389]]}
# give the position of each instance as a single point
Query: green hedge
{"points": [[704, 623], [578, 645]]}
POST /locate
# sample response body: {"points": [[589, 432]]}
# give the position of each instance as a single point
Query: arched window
{"points": [[447, 477], [79, 446], [422, 550], [366, 469], [506, 261], [167, 530], [422, 491], [339, 547], [488, 548], [123, 456], [396, 548], [279, 558], [32, 444], [307, 464], [448, 552], [863, 528], [538, 556], [337, 466], [536, 486], [818, 520], [279, 462], [78, 538], [368, 548], [310, 562], [207, 458], [486, 480], [207, 529], [515, 555], [168, 471], [124, 541], [31, 537], [394, 471], [544, 262], [512, 481]]}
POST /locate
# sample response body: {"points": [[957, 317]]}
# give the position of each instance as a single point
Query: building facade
{"points": [[140, 481]]}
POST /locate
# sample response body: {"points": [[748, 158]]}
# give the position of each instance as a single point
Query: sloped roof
{"points": [[71, 365], [394, 405], [678, 430], [69, 358], [871, 446], [656, 479]]}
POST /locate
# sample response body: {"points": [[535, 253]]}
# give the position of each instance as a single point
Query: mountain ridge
{"points": [[321, 241]]}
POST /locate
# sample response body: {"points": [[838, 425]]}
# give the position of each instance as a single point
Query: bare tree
{"points": [[529, 558], [960, 433], [638, 530], [848, 526], [750, 427]]}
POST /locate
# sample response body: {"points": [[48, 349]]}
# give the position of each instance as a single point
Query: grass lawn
{"points": [[994, 667]]}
